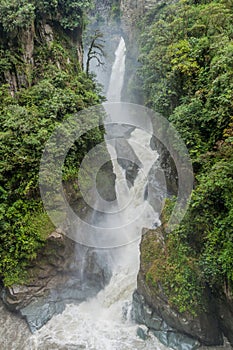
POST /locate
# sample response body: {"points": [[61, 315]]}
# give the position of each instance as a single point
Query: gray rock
{"points": [[204, 327], [142, 332], [65, 272], [40, 312], [181, 342], [167, 165], [167, 335], [127, 159], [162, 336], [157, 186], [224, 307]]}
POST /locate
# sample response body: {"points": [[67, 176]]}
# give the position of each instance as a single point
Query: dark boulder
{"points": [[157, 313], [64, 272]]}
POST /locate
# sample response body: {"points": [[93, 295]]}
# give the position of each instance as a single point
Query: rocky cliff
{"points": [[209, 321], [134, 10], [132, 13], [42, 82], [26, 50], [104, 18], [64, 272], [152, 307], [159, 276]]}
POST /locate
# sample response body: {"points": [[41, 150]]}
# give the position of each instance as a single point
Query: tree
{"points": [[16, 14], [187, 59], [96, 50]]}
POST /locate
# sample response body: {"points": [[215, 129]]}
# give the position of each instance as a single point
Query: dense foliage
{"points": [[187, 72], [47, 90], [21, 13]]}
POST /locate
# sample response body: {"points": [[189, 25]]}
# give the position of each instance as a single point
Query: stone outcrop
{"points": [[64, 272], [167, 165], [24, 45], [224, 310], [133, 10], [152, 308], [104, 17], [169, 336], [128, 160]]}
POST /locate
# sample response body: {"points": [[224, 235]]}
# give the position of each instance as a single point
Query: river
{"points": [[102, 323]]}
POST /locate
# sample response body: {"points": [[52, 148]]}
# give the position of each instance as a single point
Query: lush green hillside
{"points": [[42, 83], [187, 75]]}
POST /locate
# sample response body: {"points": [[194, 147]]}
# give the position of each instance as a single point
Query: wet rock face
{"points": [[167, 165], [152, 308], [224, 307], [209, 326], [128, 160], [26, 41], [143, 314], [173, 330], [65, 272], [133, 10]]}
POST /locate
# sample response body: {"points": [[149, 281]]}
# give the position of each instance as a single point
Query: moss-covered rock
{"points": [[160, 287], [63, 272]]}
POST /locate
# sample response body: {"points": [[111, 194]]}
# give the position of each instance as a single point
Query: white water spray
{"points": [[118, 73], [100, 323]]}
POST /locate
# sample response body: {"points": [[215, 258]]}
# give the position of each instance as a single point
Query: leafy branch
{"points": [[96, 50]]}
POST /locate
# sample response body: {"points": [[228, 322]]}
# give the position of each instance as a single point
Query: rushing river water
{"points": [[102, 323]]}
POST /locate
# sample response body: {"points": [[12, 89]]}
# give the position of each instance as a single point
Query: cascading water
{"points": [[99, 324], [102, 323], [118, 72]]}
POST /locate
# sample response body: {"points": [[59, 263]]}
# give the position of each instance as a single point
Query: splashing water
{"points": [[103, 323], [118, 73]]}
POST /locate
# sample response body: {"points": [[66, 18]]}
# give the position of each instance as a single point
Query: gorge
{"points": [[87, 298]]}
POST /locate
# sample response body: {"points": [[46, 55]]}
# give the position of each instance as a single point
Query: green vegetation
{"points": [[187, 73], [21, 13], [115, 10], [96, 50], [173, 267], [36, 94]]}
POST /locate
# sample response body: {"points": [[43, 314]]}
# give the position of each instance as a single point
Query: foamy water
{"points": [[104, 323]]}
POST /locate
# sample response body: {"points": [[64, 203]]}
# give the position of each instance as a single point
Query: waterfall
{"points": [[99, 323], [102, 323], [117, 75]]}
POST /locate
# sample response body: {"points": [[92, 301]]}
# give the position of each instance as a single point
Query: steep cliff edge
{"points": [[133, 11], [201, 325], [185, 277], [132, 14], [152, 305], [43, 84], [64, 272], [27, 30]]}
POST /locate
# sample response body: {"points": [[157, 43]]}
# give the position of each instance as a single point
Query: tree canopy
{"points": [[187, 75], [20, 13], [48, 90]]}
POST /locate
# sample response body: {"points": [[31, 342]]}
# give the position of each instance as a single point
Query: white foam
{"points": [[98, 324]]}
